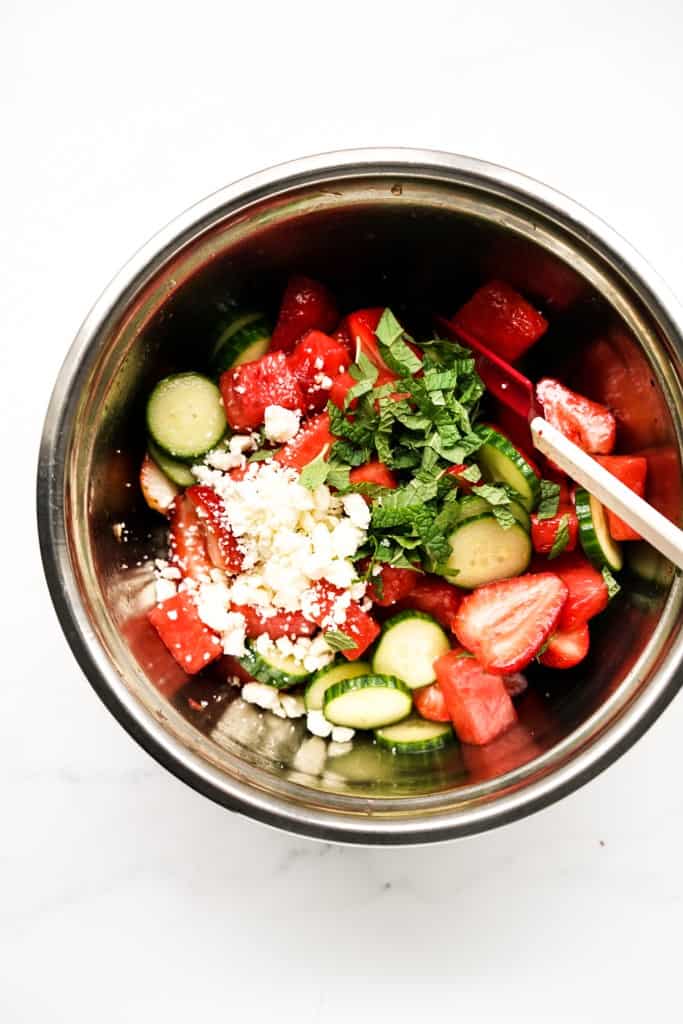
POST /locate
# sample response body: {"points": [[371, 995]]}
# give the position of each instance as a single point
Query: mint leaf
{"points": [[549, 501], [504, 516], [262, 454], [338, 641], [338, 477], [613, 587], [397, 355], [494, 494], [561, 538], [315, 473], [471, 474]]}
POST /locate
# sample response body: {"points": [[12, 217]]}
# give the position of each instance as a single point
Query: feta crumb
{"points": [[318, 724], [263, 696], [213, 601], [337, 749], [340, 734], [234, 636], [164, 589], [292, 706], [281, 424], [357, 510], [310, 757]]}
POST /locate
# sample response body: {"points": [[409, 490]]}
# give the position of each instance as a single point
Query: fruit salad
{"points": [[354, 537]]}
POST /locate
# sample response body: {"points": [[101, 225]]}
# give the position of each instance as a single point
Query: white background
{"points": [[124, 896]]}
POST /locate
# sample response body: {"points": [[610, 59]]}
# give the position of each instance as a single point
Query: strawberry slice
{"points": [[357, 624], [566, 648], [588, 424], [632, 471], [587, 591], [361, 327], [544, 531], [290, 624], [187, 542], [373, 473], [341, 385], [391, 584], [306, 305], [433, 595], [478, 702], [192, 644], [505, 624], [316, 360], [313, 437], [248, 389], [502, 319], [430, 703], [221, 543]]}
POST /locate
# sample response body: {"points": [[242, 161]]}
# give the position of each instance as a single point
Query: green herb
{"points": [[262, 454], [504, 516], [549, 500], [495, 494], [338, 641], [315, 473], [613, 587], [561, 537], [396, 353], [338, 477], [471, 474]]}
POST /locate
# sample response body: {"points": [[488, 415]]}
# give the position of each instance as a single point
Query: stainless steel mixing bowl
{"points": [[413, 229]]}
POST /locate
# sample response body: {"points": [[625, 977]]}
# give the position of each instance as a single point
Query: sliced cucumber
{"points": [[315, 691], [245, 342], [185, 415], [178, 472], [274, 669], [408, 647], [414, 735], [233, 321], [594, 532], [501, 462], [482, 552], [472, 505], [367, 702]]}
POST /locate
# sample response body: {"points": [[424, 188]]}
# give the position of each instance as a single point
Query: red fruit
{"points": [[587, 590], [343, 337], [192, 644], [341, 384], [306, 304], [433, 595], [221, 543], [187, 541], [357, 624], [361, 327], [477, 701], [505, 624], [456, 471], [307, 445], [395, 584], [248, 389], [632, 471], [280, 624], [373, 473], [544, 531], [502, 319], [566, 648], [431, 703], [315, 361], [588, 424]]}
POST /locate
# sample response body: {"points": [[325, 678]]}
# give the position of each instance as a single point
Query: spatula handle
{"points": [[643, 518]]}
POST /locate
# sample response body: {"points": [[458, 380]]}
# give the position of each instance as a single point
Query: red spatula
{"points": [[517, 392]]}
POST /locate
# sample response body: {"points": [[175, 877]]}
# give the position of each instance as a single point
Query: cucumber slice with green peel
{"points": [[325, 677], [231, 323], [482, 552], [178, 472], [521, 515], [367, 702], [250, 341], [185, 415], [414, 735], [274, 669], [408, 647], [472, 505], [501, 462], [594, 533]]}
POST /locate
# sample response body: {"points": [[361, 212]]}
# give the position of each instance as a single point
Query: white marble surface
{"points": [[123, 895]]}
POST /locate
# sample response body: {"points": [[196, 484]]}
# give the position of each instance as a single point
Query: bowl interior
{"points": [[420, 245]]}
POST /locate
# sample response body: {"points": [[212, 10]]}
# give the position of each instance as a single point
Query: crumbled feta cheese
{"points": [[281, 424], [340, 734], [263, 696], [213, 601], [357, 510], [241, 443], [292, 706], [310, 757], [164, 589], [233, 637], [337, 749], [318, 724]]}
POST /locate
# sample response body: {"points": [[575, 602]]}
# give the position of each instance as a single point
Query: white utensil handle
{"points": [[646, 520]]}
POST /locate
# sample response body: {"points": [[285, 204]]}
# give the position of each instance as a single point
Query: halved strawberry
{"points": [[316, 360], [632, 471], [566, 648], [281, 624], [430, 703], [433, 595], [373, 473], [341, 385], [187, 541], [588, 424], [248, 389], [221, 543], [361, 327], [356, 624], [391, 584], [158, 491], [192, 644], [313, 437], [306, 304], [478, 702], [505, 624], [502, 319], [544, 531], [587, 593]]}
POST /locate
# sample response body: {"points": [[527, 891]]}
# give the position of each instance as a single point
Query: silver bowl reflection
{"points": [[417, 230]]}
